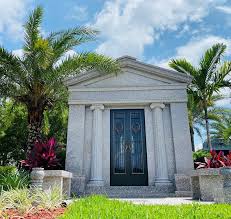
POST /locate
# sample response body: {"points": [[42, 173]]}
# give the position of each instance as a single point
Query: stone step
{"points": [[130, 191]]}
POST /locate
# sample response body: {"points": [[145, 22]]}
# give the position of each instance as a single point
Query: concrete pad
{"points": [[164, 201]]}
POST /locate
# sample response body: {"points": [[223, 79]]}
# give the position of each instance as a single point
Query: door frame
{"points": [[144, 136]]}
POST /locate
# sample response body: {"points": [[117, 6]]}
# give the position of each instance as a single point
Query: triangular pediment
{"points": [[133, 74]]}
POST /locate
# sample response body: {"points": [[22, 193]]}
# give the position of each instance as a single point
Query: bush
{"points": [[24, 200], [14, 180], [217, 160], [100, 207], [200, 155], [43, 154], [7, 170]]}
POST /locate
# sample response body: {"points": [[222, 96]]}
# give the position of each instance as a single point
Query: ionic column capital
{"points": [[157, 105], [97, 106]]}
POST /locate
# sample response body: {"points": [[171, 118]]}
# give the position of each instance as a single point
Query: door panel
{"points": [[128, 148]]}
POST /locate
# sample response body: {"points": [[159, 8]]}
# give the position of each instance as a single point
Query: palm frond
{"points": [[32, 29], [64, 41], [183, 66], [210, 60], [12, 69], [85, 62]]}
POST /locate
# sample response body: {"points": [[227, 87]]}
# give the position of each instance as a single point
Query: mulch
{"points": [[34, 214]]}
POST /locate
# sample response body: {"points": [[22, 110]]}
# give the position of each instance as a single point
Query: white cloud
{"points": [[68, 54], [194, 49], [224, 102], [129, 25], [12, 13], [78, 13], [224, 9], [18, 52], [198, 146]]}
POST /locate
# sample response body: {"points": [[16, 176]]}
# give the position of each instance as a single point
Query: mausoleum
{"points": [[128, 134]]}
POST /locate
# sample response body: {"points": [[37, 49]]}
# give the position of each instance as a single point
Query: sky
{"points": [[153, 31]]}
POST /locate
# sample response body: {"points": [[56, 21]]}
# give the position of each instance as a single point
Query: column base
{"points": [[162, 181], [96, 183], [164, 186], [78, 184]]}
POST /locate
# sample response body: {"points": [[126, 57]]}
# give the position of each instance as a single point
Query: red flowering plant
{"points": [[217, 160], [43, 155]]}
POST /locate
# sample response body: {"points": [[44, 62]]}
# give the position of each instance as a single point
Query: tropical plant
{"points": [[217, 160], [24, 200], [200, 155], [196, 114], [36, 78], [208, 78], [222, 129], [7, 170], [43, 154], [14, 180]]}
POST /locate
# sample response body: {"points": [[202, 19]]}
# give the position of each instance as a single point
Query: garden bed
{"points": [[33, 214]]}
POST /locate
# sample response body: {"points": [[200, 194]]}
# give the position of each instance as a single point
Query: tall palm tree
{"points": [[196, 114], [36, 79], [208, 78], [222, 129]]}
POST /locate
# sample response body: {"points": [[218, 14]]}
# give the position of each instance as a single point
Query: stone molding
{"points": [[97, 107], [129, 63], [157, 105], [157, 87]]}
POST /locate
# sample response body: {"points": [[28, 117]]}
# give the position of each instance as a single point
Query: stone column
{"points": [[161, 177], [97, 146], [75, 147]]}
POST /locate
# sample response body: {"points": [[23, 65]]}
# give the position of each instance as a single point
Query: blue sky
{"points": [[153, 31]]}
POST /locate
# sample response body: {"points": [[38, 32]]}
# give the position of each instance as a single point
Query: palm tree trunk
{"points": [[35, 119], [207, 127], [192, 138]]}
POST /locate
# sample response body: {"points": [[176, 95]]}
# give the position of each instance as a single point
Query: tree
{"points": [[196, 114], [36, 79], [208, 78], [13, 132], [222, 129]]}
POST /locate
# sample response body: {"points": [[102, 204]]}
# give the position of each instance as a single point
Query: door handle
{"points": [[127, 146]]}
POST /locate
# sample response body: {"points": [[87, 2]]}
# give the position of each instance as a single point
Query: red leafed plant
{"points": [[43, 155], [216, 161]]}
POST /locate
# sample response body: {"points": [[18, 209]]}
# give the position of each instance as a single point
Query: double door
{"points": [[128, 148]]}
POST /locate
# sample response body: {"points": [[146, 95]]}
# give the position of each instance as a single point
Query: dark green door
{"points": [[128, 148]]}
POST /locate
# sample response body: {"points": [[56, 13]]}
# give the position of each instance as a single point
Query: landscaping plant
{"points": [[36, 79], [217, 160], [17, 179], [42, 155], [208, 78], [20, 202]]}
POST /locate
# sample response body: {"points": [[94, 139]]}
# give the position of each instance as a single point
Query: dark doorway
{"points": [[128, 148]]}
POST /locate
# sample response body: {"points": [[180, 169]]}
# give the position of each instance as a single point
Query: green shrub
{"points": [[14, 180], [100, 207], [23, 199], [7, 170], [200, 154]]}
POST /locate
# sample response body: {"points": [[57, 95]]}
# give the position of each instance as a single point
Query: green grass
{"points": [[102, 208]]}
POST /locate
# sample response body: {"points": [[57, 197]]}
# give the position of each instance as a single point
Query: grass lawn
{"points": [[103, 208]]}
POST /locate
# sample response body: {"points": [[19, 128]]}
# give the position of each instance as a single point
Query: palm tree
{"points": [[222, 129], [196, 114], [36, 79], [208, 78]]}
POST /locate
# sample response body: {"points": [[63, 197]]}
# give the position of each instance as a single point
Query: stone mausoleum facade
{"points": [[128, 133]]}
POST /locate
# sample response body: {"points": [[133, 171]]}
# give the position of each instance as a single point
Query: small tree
{"points": [[208, 78], [36, 79]]}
